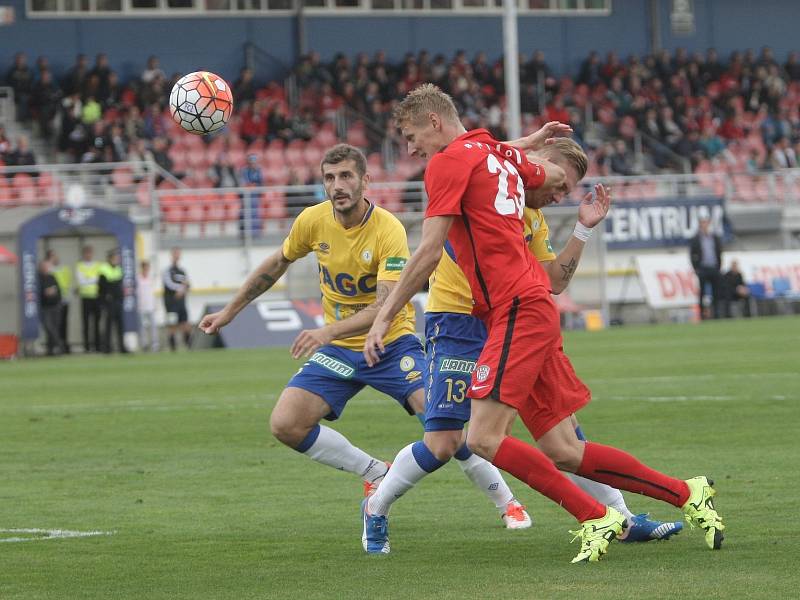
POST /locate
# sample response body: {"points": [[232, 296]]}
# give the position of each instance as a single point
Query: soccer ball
{"points": [[201, 102]]}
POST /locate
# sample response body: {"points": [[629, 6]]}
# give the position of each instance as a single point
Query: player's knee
{"points": [[444, 446], [285, 430], [567, 457], [484, 444]]}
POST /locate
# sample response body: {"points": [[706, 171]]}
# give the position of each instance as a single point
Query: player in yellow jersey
{"points": [[361, 250], [455, 340]]}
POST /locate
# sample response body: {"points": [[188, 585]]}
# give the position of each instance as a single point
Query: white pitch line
{"points": [[699, 377], [49, 534], [698, 398]]}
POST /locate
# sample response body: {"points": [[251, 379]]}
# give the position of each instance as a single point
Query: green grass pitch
{"points": [[172, 454]]}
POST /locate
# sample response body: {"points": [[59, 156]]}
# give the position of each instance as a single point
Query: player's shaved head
{"points": [[342, 152], [422, 101], [568, 150]]}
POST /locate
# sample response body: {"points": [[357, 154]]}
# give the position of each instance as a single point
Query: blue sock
{"points": [[463, 453], [579, 433], [425, 458], [309, 440]]}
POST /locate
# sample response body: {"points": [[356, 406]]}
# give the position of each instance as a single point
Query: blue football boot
{"points": [[642, 529], [375, 533]]}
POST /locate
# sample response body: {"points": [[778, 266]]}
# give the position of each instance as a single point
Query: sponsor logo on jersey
{"points": [[366, 256], [413, 375], [324, 247], [346, 284], [395, 263], [406, 363], [482, 373], [457, 365], [342, 369]]}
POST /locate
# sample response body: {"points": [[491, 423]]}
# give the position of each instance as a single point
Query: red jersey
{"points": [[482, 183]]}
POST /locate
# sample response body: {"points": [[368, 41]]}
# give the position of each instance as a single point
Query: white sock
{"points": [[404, 474], [487, 478], [603, 493], [333, 449]]}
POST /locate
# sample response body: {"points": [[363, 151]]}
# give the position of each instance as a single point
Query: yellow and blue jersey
{"points": [[351, 262], [449, 289]]}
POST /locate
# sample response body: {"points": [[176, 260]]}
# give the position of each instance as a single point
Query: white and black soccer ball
{"points": [[201, 102]]}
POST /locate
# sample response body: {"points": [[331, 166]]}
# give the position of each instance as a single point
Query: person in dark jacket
{"points": [[736, 291], [705, 252], [50, 308], [109, 293]]}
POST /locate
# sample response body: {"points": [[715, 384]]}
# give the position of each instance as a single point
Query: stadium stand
{"points": [[734, 124], [665, 112]]}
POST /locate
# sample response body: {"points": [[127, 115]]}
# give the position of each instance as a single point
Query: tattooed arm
{"points": [[563, 267], [259, 281], [311, 339]]}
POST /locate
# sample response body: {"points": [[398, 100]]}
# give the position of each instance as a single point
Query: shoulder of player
{"points": [[314, 214], [385, 222], [534, 214]]}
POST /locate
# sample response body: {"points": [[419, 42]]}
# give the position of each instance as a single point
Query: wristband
{"points": [[582, 232]]}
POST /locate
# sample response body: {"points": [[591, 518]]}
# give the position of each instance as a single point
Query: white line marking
{"points": [[702, 377], [689, 398], [49, 534]]}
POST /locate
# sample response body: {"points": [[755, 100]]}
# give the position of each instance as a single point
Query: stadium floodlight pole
{"points": [[511, 49]]}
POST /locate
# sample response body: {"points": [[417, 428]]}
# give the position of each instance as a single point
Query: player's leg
{"points": [[185, 326], [172, 325], [619, 469], [413, 463], [444, 414], [295, 422], [556, 396], [521, 336], [640, 528]]}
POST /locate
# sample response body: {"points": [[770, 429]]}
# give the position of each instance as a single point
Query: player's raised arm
{"points": [[543, 136], [593, 209], [259, 281], [415, 274]]}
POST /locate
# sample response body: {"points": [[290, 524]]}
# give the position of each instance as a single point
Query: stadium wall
{"points": [[217, 43]]}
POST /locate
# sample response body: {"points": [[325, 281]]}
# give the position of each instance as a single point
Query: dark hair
{"points": [[342, 152]]}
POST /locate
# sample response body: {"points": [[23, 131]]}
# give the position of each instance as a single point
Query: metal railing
{"points": [[154, 197]]}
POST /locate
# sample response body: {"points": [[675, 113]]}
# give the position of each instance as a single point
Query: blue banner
{"points": [[662, 222], [59, 220]]}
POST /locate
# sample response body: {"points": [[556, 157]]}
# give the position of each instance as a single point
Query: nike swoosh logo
{"points": [[479, 387]]}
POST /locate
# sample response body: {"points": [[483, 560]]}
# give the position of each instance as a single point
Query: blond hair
{"points": [[569, 150], [423, 100]]}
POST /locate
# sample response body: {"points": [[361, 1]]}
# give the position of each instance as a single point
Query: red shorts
{"points": [[524, 366]]}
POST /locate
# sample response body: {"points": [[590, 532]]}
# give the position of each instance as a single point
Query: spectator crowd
{"points": [[700, 110]]}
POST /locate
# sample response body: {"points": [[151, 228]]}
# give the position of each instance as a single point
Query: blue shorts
{"points": [[453, 343], [337, 374]]}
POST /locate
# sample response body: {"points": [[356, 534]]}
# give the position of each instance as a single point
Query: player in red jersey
{"points": [[477, 188]]}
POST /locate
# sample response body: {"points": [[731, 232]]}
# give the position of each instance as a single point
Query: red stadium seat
{"points": [[273, 205], [24, 189]]}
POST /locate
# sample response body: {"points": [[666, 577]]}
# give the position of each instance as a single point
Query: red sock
{"points": [[530, 465], [621, 470]]}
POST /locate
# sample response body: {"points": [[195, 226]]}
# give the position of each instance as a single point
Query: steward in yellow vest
{"points": [[87, 272]]}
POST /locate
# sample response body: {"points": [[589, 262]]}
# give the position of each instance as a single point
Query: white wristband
{"points": [[582, 232]]}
